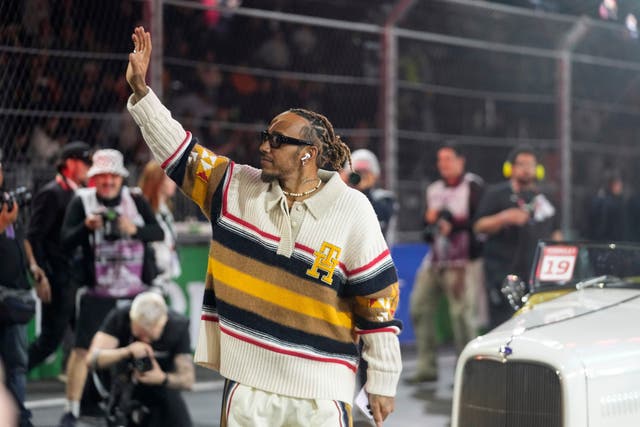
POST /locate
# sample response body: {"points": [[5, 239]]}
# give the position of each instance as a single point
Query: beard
{"points": [[268, 177]]}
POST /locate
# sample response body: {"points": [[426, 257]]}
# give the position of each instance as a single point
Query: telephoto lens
{"points": [[20, 196]]}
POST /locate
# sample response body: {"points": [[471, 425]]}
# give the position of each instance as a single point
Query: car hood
{"points": [[591, 339], [575, 304], [583, 323]]}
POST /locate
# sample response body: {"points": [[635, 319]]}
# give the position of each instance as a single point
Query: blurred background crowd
{"points": [[398, 78], [395, 77]]}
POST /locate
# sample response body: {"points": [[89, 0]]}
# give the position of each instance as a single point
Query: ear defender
{"points": [[507, 170]]}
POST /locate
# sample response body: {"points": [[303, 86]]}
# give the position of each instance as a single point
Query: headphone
{"points": [[507, 166], [305, 157]]}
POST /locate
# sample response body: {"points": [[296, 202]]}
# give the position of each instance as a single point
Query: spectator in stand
{"points": [[47, 213], [158, 189], [44, 145], [607, 215]]}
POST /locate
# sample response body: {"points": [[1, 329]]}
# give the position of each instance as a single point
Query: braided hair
{"points": [[333, 151]]}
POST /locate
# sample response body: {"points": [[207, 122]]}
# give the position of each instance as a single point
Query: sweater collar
{"points": [[317, 204]]}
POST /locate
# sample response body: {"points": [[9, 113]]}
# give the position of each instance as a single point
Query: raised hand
{"points": [[139, 62]]}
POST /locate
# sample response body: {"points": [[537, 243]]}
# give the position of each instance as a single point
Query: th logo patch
{"points": [[327, 261]]}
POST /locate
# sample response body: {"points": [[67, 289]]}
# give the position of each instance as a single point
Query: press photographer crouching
{"points": [[149, 351]]}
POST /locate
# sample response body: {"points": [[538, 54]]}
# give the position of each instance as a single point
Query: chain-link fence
{"points": [[227, 73], [487, 75], [61, 80], [492, 76]]}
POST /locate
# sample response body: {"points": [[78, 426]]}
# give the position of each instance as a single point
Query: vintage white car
{"points": [[570, 357]]}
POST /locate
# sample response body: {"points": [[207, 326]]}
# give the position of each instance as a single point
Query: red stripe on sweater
{"points": [[303, 248], [186, 140], [376, 260], [226, 214], [209, 318], [375, 331], [287, 352]]}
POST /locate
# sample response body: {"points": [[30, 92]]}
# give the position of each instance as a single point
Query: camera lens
{"points": [[354, 178], [20, 196]]}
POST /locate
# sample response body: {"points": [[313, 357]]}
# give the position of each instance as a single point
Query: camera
{"points": [[431, 231], [19, 196], [110, 224], [120, 404], [142, 364]]}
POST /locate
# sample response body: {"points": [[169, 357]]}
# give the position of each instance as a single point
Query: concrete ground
{"points": [[416, 406]]}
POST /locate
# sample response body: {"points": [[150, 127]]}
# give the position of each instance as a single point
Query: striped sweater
{"points": [[288, 292]]}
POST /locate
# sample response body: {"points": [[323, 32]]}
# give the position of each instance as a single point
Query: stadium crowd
{"points": [[75, 90], [64, 97]]}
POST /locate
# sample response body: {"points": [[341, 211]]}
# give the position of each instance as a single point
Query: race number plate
{"points": [[557, 263]]}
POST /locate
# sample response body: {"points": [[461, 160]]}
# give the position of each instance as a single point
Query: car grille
{"points": [[510, 394]]}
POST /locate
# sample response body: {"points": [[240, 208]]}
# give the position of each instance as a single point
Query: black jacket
{"points": [[47, 213]]}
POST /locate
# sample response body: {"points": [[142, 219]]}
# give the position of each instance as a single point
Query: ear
{"points": [[310, 152]]}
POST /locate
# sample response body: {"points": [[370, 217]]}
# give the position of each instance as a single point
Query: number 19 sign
{"points": [[557, 263]]}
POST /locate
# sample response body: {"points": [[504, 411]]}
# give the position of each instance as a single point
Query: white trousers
{"points": [[244, 406]]}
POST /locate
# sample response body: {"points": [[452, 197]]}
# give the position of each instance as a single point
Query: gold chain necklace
{"points": [[305, 193]]}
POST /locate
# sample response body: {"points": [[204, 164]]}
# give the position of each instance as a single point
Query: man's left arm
{"points": [[375, 299], [381, 349]]}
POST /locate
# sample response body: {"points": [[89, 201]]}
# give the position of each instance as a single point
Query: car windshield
{"points": [[560, 265]]}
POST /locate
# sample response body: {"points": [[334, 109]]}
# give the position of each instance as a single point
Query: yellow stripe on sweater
{"points": [[279, 296]]}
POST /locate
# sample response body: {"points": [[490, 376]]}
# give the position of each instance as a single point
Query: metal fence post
{"points": [[563, 90], [389, 99]]}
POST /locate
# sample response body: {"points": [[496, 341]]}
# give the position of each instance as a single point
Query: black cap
{"points": [[76, 150]]}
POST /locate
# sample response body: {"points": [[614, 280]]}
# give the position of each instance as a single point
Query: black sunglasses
{"points": [[276, 140]]}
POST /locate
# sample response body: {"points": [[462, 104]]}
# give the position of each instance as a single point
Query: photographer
{"points": [[17, 260], [364, 176], [47, 212], [109, 226], [150, 346], [514, 215], [452, 265]]}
